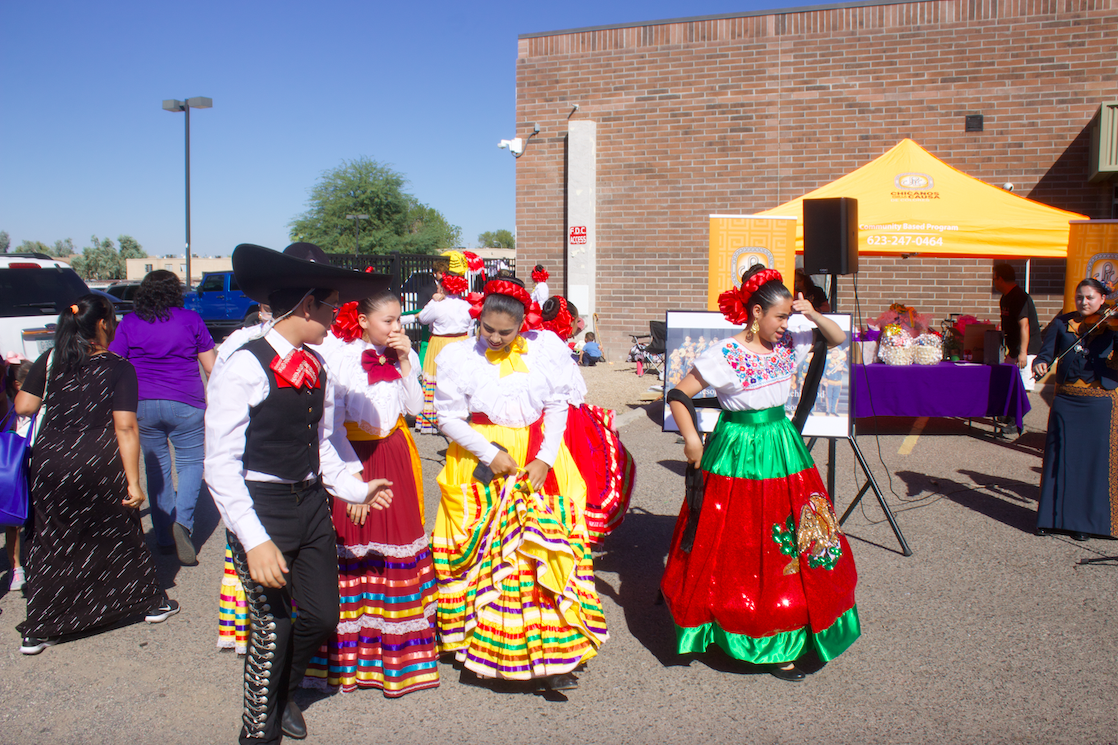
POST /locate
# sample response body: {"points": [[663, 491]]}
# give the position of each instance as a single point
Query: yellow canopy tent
{"points": [[910, 202]]}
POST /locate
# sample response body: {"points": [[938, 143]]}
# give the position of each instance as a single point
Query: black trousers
{"points": [[297, 518]]}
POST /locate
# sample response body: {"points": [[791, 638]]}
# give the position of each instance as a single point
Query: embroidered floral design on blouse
{"points": [[757, 371]]}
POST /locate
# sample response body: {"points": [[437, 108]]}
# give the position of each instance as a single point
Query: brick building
{"points": [[648, 128]]}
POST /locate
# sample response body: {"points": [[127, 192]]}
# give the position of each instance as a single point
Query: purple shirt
{"points": [[165, 355]]}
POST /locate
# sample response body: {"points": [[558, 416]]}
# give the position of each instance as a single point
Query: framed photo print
{"points": [[690, 333]]}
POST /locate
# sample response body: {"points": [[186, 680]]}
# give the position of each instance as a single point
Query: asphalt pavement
{"points": [[986, 633]]}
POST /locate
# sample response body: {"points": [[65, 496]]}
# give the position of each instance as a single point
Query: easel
{"points": [[832, 448]]}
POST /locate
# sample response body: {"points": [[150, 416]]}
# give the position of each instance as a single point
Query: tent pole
{"points": [[1028, 275]]}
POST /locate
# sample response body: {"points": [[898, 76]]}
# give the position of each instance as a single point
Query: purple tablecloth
{"points": [[946, 389]]}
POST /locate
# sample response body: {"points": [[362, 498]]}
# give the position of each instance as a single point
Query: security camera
{"points": [[1007, 186], [514, 146]]}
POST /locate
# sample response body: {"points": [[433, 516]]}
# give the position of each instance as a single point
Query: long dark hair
{"points": [[76, 334], [158, 293]]}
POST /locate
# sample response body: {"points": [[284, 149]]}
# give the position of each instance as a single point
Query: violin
{"points": [[1107, 314]]}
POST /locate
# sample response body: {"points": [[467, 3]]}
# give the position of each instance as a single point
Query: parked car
{"points": [[124, 296], [34, 290], [220, 302]]}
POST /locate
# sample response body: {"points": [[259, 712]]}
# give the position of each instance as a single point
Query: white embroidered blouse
{"points": [[468, 383], [745, 380]]}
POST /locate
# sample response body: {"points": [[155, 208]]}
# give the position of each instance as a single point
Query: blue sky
{"points": [[298, 87]]}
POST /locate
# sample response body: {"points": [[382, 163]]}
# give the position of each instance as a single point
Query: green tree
{"points": [[99, 261], [5, 241], [63, 248], [497, 239], [397, 220], [32, 247], [130, 248]]}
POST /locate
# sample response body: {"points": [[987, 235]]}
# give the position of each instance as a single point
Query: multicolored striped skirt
{"points": [[771, 571], [605, 465], [232, 612], [427, 423], [516, 579], [386, 631]]}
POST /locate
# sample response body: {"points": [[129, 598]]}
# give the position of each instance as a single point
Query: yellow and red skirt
{"points": [[426, 422], [386, 630], [606, 466], [771, 572], [516, 579]]}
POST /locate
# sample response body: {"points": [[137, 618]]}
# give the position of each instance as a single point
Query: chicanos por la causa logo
{"points": [[913, 187]]}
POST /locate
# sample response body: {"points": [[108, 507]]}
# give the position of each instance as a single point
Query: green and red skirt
{"points": [[770, 571]]}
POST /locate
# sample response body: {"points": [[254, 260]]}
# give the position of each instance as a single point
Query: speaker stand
{"points": [[832, 448]]}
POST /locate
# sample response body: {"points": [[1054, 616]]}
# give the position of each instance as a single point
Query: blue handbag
{"points": [[14, 492]]}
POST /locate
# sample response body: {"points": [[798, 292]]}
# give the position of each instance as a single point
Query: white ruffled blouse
{"points": [[468, 383], [374, 408]]}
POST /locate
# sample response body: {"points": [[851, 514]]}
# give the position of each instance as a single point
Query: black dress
{"points": [[1079, 482], [88, 565]]}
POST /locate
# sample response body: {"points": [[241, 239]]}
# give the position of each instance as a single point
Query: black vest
{"points": [[282, 435]]}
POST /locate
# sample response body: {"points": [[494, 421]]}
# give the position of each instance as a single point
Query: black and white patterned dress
{"points": [[88, 566]]}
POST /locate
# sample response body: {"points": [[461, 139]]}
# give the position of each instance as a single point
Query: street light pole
{"points": [[197, 102], [357, 231]]}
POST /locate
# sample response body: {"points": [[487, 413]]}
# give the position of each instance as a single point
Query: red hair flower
{"points": [[345, 325], [455, 284], [561, 324], [732, 307], [540, 275]]}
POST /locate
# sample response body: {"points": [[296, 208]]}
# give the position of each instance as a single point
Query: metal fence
{"points": [[413, 278], [413, 275]]}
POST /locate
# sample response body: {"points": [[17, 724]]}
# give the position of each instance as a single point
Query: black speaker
{"points": [[831, 236]]}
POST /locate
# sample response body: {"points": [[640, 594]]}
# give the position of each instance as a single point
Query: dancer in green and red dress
{"points": [[769, 574]]}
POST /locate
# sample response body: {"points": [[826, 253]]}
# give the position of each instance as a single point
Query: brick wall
{"points": [[738, 115]]}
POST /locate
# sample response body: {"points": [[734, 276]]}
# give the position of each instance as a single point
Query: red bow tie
{"points": [[297, 369], [380, 365]]}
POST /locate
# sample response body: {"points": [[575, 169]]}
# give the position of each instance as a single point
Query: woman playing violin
{"points": [[1079, 483]]}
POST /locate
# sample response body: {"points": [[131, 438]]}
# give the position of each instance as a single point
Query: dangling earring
{"points": [[752, 330]]}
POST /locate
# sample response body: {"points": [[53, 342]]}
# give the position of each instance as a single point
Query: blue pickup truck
{"points": [[221, 303]]}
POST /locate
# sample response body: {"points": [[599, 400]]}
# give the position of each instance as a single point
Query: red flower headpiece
{"points": [[345, 325], [455, 284], [474, 262], [732, 302], [532, 318], [561, 324], [540, 275]]}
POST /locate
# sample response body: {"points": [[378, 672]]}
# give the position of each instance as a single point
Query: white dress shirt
{"points": [[540, 293], [468, 383], [448, 316], [234, 388]]}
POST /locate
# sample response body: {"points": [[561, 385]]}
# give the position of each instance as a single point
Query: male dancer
{"points": [[269, 464]]}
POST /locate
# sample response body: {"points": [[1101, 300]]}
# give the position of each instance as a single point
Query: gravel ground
{"points": [[986, 634]]}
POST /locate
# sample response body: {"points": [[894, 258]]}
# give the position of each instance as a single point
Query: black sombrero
{"points": [[261, 271]]}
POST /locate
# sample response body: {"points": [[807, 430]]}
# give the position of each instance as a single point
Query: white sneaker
{"points": [[18, 580]]}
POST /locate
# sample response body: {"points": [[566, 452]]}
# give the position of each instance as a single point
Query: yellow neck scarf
{"points": [[509, 357]]}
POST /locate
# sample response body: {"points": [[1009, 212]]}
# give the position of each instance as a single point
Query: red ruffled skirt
{"points": [[386, 632]]}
